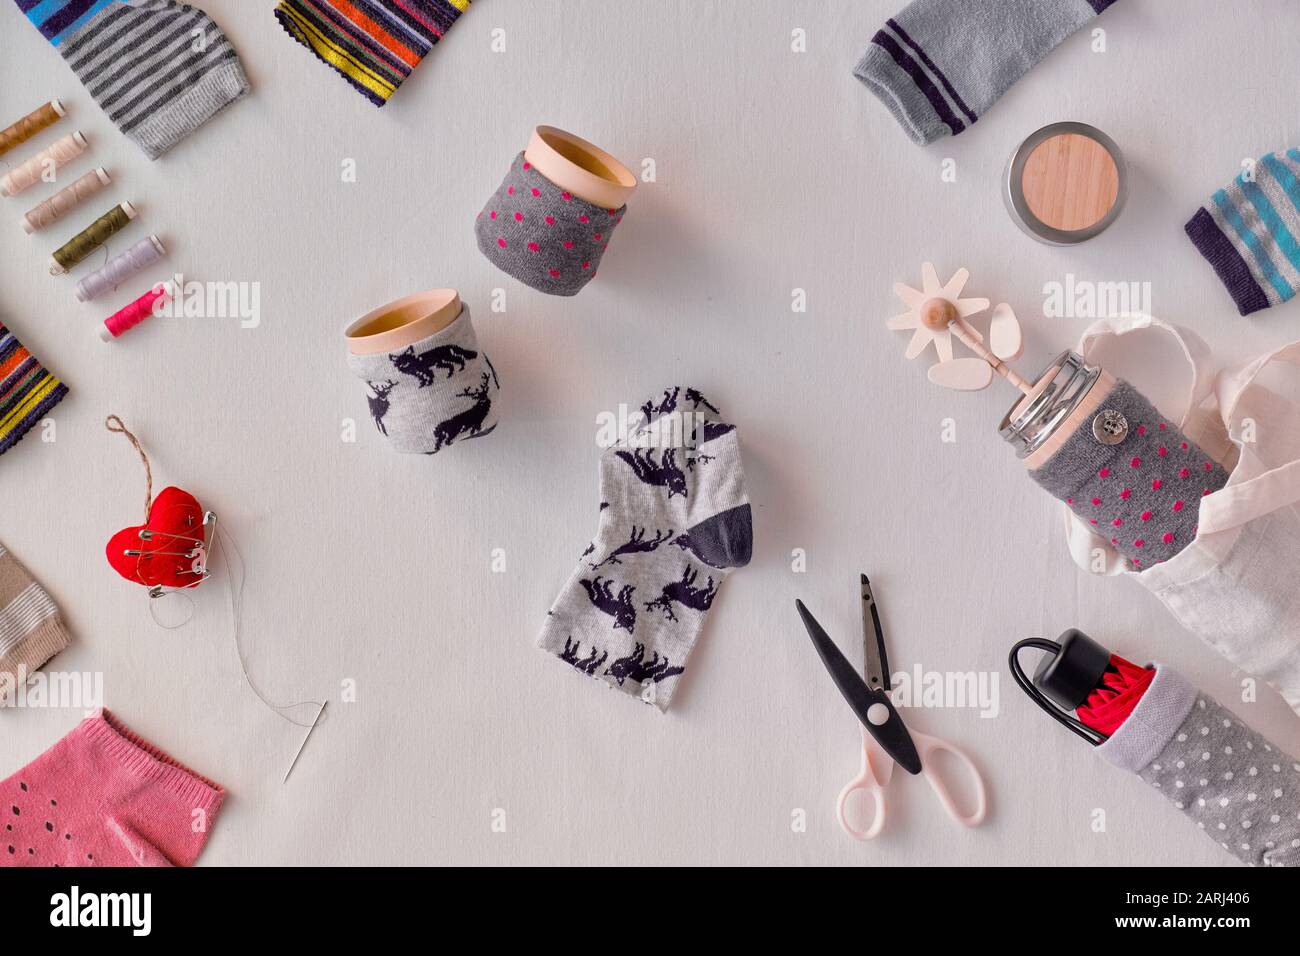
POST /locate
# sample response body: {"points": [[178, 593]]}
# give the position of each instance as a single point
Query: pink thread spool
{"points": [[127, 318], [56, 155]]}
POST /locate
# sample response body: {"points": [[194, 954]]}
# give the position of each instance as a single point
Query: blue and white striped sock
{"points": [[1250, 232], [159, 69]]}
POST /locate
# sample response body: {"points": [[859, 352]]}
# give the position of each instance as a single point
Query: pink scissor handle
{"points": [[926, 746], [877, 768]]}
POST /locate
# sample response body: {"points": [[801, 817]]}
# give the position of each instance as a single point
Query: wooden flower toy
{"points": [[937, 313]]}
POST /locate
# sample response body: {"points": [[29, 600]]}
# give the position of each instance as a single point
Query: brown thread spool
{"points": [[31, 124], [91, 238], [65, 200], [56, 154]]}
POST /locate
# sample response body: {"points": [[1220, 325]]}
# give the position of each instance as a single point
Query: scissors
{"points": [[886, 740]]}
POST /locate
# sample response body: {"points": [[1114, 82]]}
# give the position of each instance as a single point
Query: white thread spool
{"points": [[56, 154], [120, 268], [65, 200]]}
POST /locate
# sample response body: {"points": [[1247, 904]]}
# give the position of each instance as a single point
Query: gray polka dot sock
{"points": [[1142, 494], [543, 236], [1237, 787], [674, 521]]}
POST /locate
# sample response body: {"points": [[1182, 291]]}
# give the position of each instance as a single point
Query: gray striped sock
{"points": [[159, 69], [939, 65]]}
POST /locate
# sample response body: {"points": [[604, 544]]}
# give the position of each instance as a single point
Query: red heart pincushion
{"points": [[176, 524]]}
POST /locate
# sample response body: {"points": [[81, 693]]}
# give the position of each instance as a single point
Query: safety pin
{"points": [[209, 519]]}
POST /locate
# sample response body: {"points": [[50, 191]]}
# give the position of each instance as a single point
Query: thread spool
{"points": [[120, 268], [31, 124], [91, 238], [57, 154], [65, 200], [128, 317]]}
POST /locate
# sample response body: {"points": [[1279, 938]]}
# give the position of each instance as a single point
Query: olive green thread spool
{"points": [[91, 238]]}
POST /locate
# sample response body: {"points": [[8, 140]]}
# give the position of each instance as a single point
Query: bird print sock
{"points": [[159, 69], [434, 393], [373, 44], [674, 521], [939, 65]]}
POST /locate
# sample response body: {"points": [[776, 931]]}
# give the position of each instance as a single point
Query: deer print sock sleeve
{"points": [[939, 65], [434, 393], [159, 69], [103, 796], [674, 521]]}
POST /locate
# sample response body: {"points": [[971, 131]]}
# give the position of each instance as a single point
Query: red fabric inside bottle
{"points": [[1122, 686]]}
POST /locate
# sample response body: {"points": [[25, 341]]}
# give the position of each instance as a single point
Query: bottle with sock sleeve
{"points": [[428, 382], [551, 219], [1149, 496]]}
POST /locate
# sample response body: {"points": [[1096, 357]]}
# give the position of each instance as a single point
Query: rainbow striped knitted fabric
{"points": [[1250, 232], [27, 390], [373, 44]]}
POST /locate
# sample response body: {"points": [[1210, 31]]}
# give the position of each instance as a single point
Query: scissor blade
{"points": [[875, 661], [887, 726], [845, 675]]}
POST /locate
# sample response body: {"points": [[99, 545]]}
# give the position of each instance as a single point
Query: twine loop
{"points": [[114, 424]]}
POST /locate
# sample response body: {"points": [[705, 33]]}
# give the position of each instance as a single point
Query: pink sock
{"points": [[102, 796]]}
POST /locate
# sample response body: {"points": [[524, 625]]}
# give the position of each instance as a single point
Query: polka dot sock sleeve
{"points": [[1143, 493], [1239, 789], [103, 796], [545, 237]]}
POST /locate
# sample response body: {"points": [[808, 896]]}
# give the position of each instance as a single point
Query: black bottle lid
{"points": [[1070, 675]]}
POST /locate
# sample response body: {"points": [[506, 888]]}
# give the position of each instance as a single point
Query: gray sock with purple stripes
{"points": [[940, 64]]}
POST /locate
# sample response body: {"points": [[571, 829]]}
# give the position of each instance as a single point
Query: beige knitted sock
{"points": [[31, 628]]}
